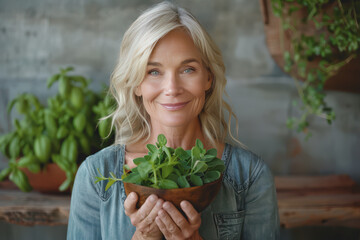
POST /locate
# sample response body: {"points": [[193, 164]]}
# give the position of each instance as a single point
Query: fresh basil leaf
{"points": [[167, 184], [173, 176], [195, 153], [162, 140], [208, 158], [181, 153], [166, 170], [152, 148], [196, 180], [199, 144], [133, 178], [139, 160], [219, 168], [177, 172], [109, 184], [182, 181], [144, 168], [166, 150], [212, 152], [212, 175], [154, 156], [200, 166], [215, 162]]}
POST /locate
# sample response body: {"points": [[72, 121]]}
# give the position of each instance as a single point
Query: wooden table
{"points": [[303, 201]]}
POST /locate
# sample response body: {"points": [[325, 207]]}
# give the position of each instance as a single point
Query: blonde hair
{"points": [[131, 121]]}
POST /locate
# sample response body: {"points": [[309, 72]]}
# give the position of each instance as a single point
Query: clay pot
{"points": [[200, 197], [48, 180]]}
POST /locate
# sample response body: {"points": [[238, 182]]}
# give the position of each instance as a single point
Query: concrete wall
{"points": [[38, 37]]}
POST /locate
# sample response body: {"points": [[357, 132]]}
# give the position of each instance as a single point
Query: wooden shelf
{"points": [[318, 200], [303, 201]]}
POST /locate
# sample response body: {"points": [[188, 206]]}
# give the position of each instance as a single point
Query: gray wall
{"points": [[38, 37]]}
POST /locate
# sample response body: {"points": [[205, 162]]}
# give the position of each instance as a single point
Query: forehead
{"points": [[177, 44]]}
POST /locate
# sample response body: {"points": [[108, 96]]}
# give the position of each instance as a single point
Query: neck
{"points": [[184, 136]]}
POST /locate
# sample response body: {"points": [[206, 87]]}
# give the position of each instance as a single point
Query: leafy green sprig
{"points": [[336, 45], [168, 168]]}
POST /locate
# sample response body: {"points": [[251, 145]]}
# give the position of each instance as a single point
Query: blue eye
{"points": [[154, 72], [189, 70]]}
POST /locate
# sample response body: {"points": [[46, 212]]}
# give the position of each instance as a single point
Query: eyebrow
{"points": [[157, 64]]}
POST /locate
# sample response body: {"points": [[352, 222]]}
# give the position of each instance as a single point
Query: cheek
{"points": [[148, 91]]}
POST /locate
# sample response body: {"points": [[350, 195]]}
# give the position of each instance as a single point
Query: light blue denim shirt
{"points": [[245, 207]]}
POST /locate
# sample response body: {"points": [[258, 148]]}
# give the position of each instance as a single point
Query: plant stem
{"points": [[342, 11]]}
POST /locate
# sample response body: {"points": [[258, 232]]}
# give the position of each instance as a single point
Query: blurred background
{"points": [[40, 36]]}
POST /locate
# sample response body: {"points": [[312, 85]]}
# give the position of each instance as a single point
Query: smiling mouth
{"points": [[174, 106]]}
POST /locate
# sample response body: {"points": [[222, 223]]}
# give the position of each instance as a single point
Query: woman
{"points": [[170, 79]]}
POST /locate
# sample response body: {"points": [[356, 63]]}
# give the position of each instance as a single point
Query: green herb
{"points": [[168, 168]]}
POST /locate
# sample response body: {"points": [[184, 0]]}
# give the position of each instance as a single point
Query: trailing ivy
{"points": [[337, 44]]}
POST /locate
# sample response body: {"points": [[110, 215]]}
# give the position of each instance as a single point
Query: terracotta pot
{"points": [[278, 41], [48, 180], [200, 197]]}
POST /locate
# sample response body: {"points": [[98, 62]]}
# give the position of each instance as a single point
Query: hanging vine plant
{"points": [[324, 36]]}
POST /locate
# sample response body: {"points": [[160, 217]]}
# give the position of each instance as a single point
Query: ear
{"points": [[209, 81], [138, 91]]}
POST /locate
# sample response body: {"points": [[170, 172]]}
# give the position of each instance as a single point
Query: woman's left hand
{"points": [[174, 225]]}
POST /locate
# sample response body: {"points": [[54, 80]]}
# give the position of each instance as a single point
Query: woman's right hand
{"points": [[144, 217]]}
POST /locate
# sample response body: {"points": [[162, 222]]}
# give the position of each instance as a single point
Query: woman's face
{"points": [[173, 90]]}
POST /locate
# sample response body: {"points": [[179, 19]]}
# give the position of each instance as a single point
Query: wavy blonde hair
{"points": [[130, 119]]}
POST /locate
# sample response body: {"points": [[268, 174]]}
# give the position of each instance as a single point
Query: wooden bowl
{"points": [[200, 197]]}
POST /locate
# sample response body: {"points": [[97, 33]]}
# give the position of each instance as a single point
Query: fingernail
{"points": [[152, 198], [159, 203], [166, 205], [132, 195], [161, 213]]}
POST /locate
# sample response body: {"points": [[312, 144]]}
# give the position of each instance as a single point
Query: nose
{"points": [[172, 85]]}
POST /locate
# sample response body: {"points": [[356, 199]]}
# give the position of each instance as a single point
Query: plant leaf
{"points": [[152, 148], [200, 166], [199, 144], [109, 184], [182, 181], [133, 178], [212, 175], [181, 153], [144, 168], [167, 184], [166, 170], [195, 153], [212, 152], [139, 160], [162, 140], [196, 180]]}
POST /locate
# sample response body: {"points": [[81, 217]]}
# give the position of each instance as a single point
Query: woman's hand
{"points": [[144, 217], [174, 225]]}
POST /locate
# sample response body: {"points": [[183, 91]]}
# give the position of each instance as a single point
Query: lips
{"points": [[174, 106]]}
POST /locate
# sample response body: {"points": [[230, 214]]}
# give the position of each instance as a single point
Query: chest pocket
{"points": [[229, 225]]}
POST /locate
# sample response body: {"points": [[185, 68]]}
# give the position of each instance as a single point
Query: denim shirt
{"points": [[245, 207]]}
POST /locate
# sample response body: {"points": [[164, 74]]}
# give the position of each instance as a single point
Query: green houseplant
{"points": [[63, 132], [324, 36]]}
